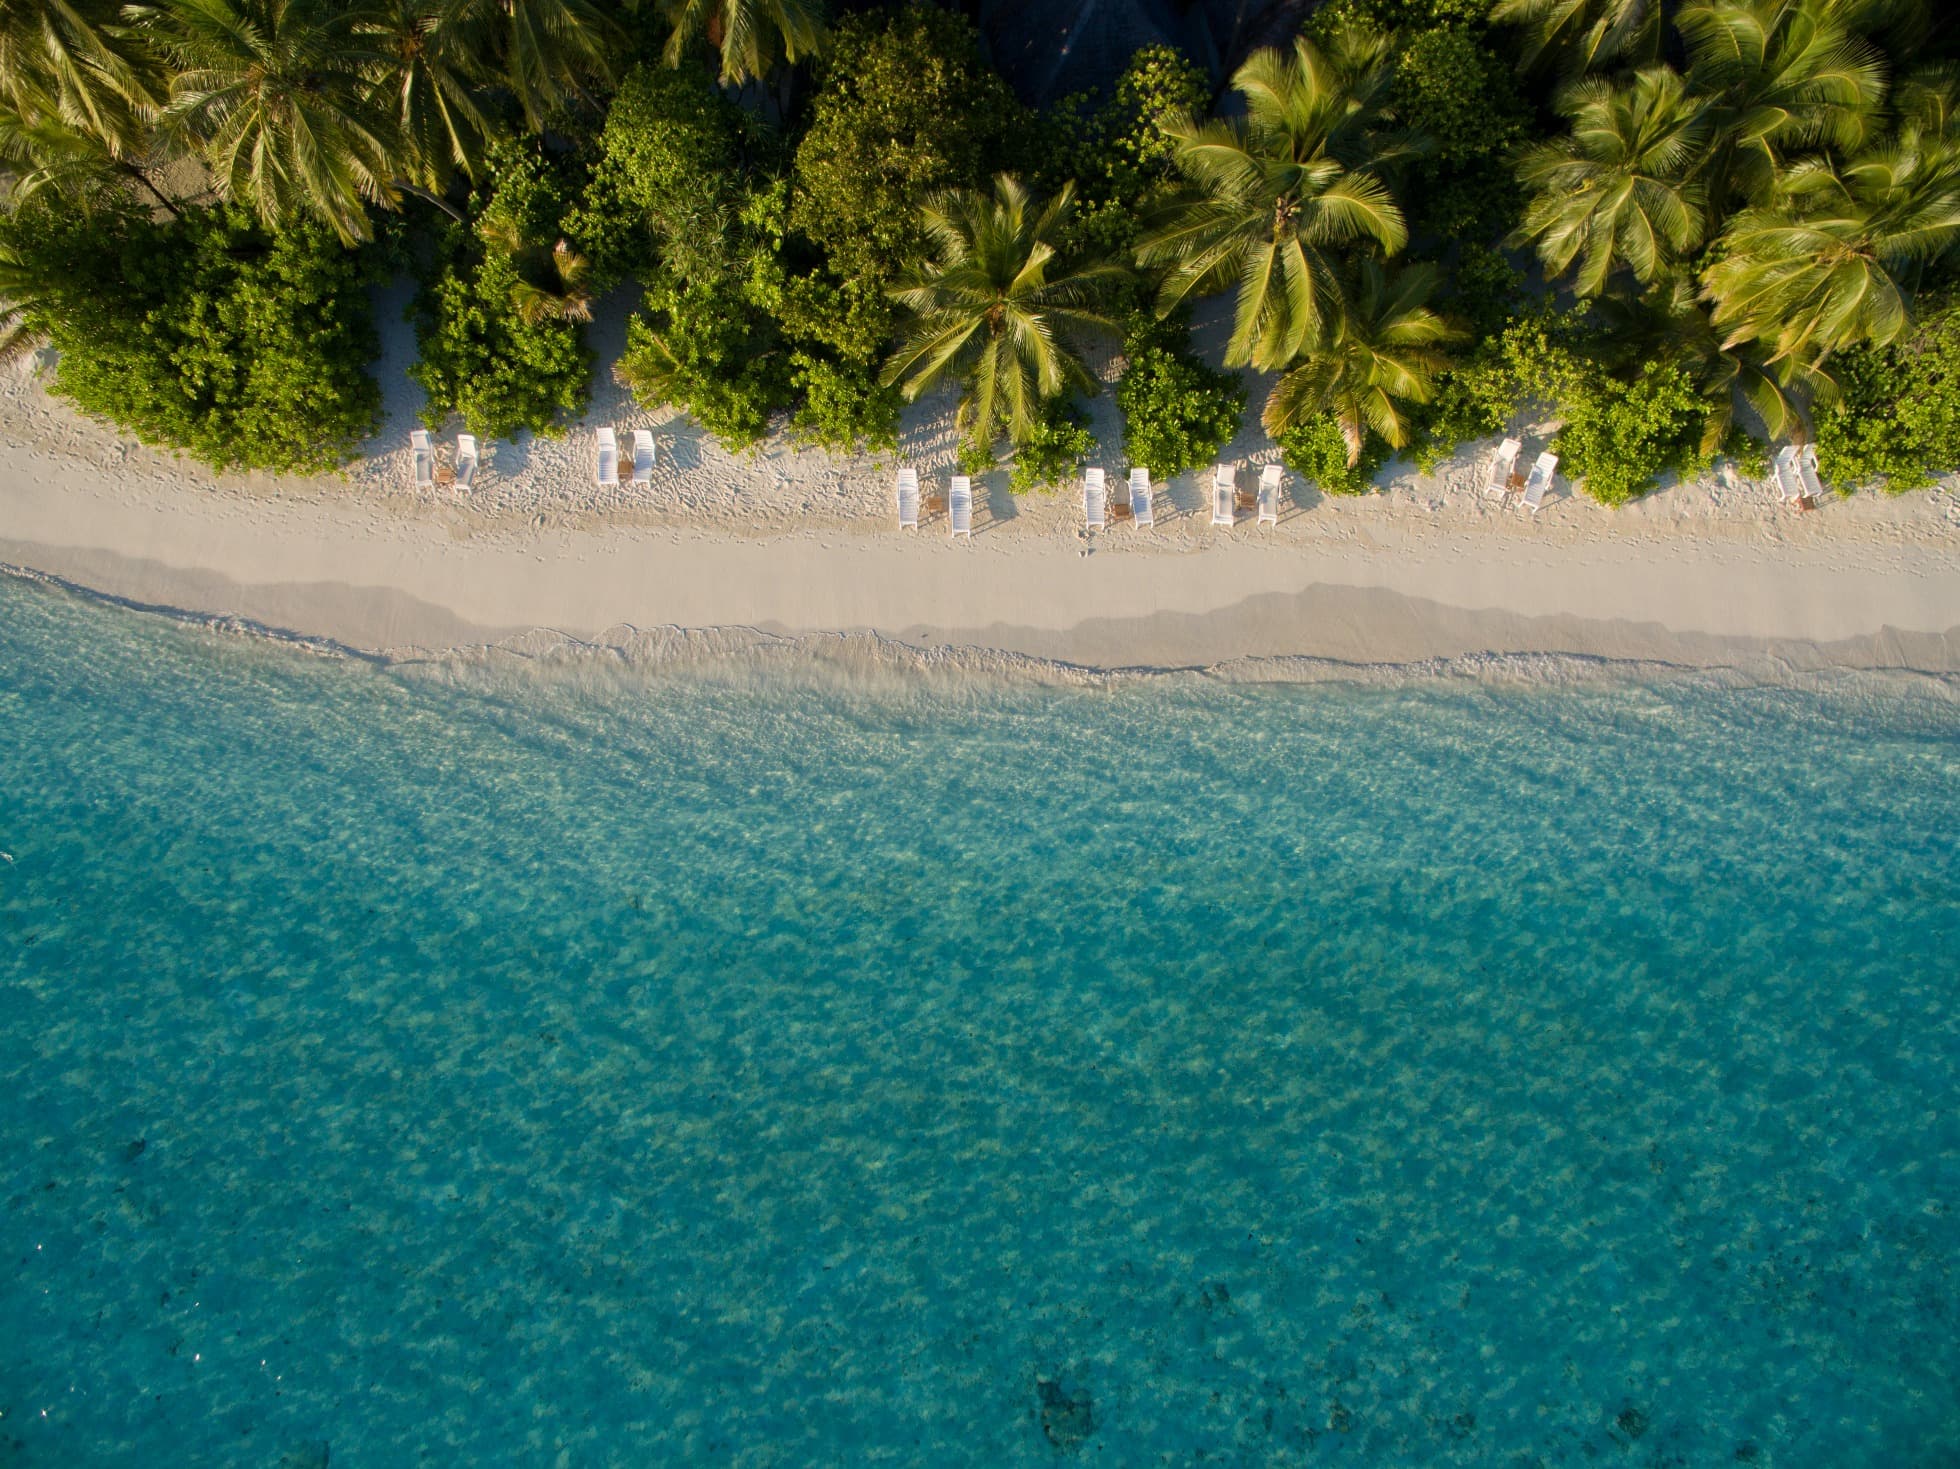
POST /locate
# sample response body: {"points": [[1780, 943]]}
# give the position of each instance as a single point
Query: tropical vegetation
{"points": [[1658, 233]]}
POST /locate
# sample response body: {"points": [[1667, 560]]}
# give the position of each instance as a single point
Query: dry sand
{"points": [[792, 541]]}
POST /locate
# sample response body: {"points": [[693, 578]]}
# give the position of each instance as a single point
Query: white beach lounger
{"points": [[1783, 469], [1223, 487], [465, 460], [1502, 463], [908, 499], [425, 458], [1269, 480], [608, 457], [1095, 499], [643, 456], [959, 506], [1141, 510], [1807, 476], [1540, 481]]}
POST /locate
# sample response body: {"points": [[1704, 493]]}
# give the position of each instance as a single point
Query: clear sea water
{"points": [[473, 1064]]}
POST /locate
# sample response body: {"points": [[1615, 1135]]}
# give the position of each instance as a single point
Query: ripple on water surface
{"points": [[457, 1064]]}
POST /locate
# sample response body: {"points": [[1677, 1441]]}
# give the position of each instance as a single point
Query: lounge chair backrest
{"points": [[465, 460], [1142, 511], [608, 457], [1223, 487], [644, 453], [1807, 476], [425, 457], [1540, 481], [1789, 484], [1095, 499], [908, 499], [959, 505], [1502, 463], [1269, 482]]}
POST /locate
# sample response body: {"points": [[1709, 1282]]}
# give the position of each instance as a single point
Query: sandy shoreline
{"points": [[785, 541]]}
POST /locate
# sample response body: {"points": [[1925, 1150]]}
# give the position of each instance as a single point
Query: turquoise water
{"points": [[468, 1065]]}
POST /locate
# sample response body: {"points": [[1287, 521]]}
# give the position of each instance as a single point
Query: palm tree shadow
{"points": [[402, 400], [1002, 503]]}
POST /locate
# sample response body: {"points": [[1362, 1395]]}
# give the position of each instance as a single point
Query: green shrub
{"points": [[1177, 412], [1054, 451], [1119, 154], [1897, 422], [702, 347], [204, 334], [845, 408], [1619, 437], [1317, 451], [480, 357]]}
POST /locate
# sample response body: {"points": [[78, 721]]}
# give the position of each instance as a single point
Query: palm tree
{"points": [[550, 285], [275, 95], [69, 61], [1580, 36], [1833, 263], [1782, 75], [544, 51], [1274, 199], [749, 34], [1384, 355], [1619, 191], [46, 155], [996, 307], [425, 71]]}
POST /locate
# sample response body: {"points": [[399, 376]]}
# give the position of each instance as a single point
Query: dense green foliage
{"points": [[484, 355], [1054, 448], [1177, 412], [1898, 421], [1317, 449], [205, 334]]}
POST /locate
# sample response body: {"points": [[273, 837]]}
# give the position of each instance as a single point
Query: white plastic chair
{"points": [[1223, 487], [908, 499], [644, 454], [1540, 481], [608, 457], [1269, 481], [425, 458], [1141, 510], [465, 460], [1783, 470], [959, 506], [1095, 499], [1502, 463], [1807, 476]]}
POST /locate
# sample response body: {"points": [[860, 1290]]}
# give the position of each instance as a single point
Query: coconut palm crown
{"points": [[1275, 201], [997, 307], [1619, 192], [1384, 355], [749, 34]]}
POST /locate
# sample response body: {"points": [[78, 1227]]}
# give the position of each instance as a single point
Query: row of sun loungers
{"points": [[1793, 472], [1503, 477], [644, 453], [1140, 510]]}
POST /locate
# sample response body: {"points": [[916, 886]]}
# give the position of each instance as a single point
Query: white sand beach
{"points": [[789, 540]]}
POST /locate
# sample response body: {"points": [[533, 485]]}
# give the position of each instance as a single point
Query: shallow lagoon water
{"points": [[465, 1064]]}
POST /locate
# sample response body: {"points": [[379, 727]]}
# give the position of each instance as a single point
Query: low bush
{"points": [[1619, 436], [704, 348], [1897, 422], [1317, 450], [1055, 450], [205, 334], [1177, 412], [844, 407]]}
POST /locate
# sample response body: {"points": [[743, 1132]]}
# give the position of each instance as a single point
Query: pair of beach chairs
{"points": [[1225, 500], [425, 460], [643, 457], [959, 503], [1503, 475], [1794, 473]]}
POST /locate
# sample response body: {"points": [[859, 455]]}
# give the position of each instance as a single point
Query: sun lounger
{"points": [[608, 457], [1269, 480], [1222, 489], [1540, 481], [959, 503], [1502, 465], [425, 458], [643, 456], [465, 460], [908, 499], [1783, 470], [1807, 476], [1095, 499], [1141, 510]]}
